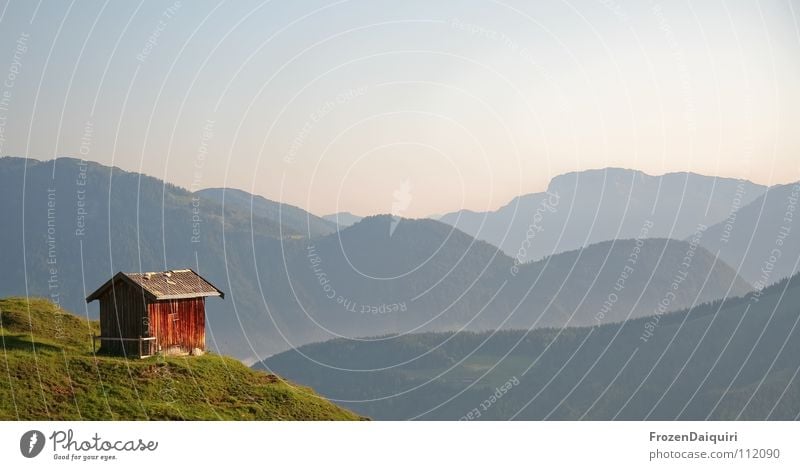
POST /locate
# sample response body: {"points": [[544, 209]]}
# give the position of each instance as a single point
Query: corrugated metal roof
{"points": [[165, 285]]}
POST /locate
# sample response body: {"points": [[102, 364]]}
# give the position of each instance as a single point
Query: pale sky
{"points": [[416, 107]]}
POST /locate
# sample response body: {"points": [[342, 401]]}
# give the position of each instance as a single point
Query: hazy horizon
{"points": [[340, 106], [434, 216]]}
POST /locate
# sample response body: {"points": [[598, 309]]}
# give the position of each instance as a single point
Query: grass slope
{"points": [[48, 372]]}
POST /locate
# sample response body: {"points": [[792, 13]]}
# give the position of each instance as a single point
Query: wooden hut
{"points": [[142, 314]]}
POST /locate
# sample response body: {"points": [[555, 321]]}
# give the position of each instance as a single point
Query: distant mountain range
{"points": [[746, 222], [425, 276], [291, 219], [343, 219], [290, 278], [726, 360], [761, 240], [443, 279], [582, 208], [71, 225]]}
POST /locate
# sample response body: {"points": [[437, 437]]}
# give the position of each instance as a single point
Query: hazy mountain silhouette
{"points": [[68, 227], [591, 206], [427, 276], [386, 275], [343, 219], [291, 218], [737, 359], [762, 239]]}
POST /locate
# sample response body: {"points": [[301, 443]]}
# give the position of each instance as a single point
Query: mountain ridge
{"points": [[725, 360], [389, 275], [285, 215], [761, 239], [343, 219], [581, 208]]}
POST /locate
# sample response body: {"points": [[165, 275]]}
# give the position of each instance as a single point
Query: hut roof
{"points": [[165, 285]]}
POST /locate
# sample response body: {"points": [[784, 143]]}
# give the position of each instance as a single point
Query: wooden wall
{"points": [[179, 325], [122, 315]]}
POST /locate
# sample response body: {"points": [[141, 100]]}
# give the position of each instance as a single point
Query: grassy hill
{"points": [[48, 372]]}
